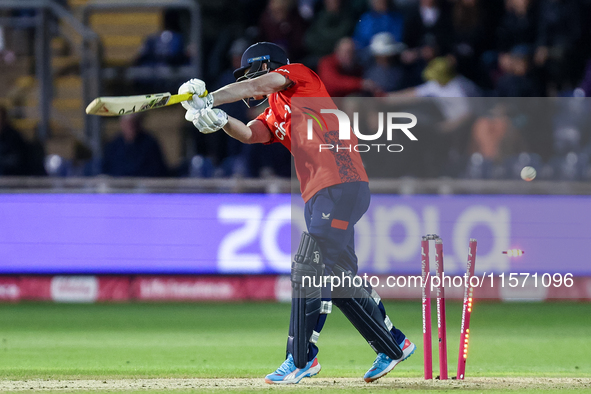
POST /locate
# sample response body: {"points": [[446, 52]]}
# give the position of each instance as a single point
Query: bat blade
{"points": [[124, 105]]}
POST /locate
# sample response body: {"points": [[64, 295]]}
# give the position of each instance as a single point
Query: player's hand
{"points": [[207, 120], [200, 99]]}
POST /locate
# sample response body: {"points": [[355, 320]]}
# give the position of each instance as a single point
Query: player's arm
{"points": [[211, 120], [257, 87], [252, 133]]}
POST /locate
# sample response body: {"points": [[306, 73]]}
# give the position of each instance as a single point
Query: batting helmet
{"points": [[257, 54]]}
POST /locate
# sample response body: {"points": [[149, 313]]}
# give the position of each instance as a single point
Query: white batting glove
{"points": [[207, 120], [200, 99]]}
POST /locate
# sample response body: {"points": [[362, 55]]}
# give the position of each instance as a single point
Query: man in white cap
{"points": [[386, 71]]}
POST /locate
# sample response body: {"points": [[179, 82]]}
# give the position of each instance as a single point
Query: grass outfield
{"points": [[132, 341]]}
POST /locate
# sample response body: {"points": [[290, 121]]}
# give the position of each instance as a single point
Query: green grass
{"points": [[340, 390], [71, 341]]}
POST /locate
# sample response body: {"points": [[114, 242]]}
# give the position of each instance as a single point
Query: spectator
{"points": [[220, 23], [13, 148], [471, 37], [518, 26], [518, 80], [341, 73], [494, 137], [585, 85], [282, 24], [7, 55], [163, 49], [380, 18], [166, 48], [331, 24], [386, 71], [558, 38], [442, 80], [428, 23], [307, 8], [428, 33], [134, 152], [444, 139], [81, 164]]}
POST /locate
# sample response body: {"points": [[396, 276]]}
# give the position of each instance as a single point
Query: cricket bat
{"points": [[124, 105]]}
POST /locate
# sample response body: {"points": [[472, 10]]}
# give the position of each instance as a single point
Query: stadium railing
{"points": [[403, 186]]}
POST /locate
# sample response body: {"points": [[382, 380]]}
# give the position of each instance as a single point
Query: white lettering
{"points": [[403, 127], [229, 257], [344, 122], [272, 225], [280, 130], [395, 145], [375, 136]]}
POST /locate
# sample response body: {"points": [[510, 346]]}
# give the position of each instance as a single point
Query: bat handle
{"points": [[183, 97]]}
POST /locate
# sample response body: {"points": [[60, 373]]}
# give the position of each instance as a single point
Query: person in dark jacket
{"points": [[13, 148], [519, 79], [428, 21], [559, 42], [472, 36], [331, 24], [134, 152], [518, 25], [282, 24]]}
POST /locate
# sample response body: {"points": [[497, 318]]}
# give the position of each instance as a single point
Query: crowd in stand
{"points": [[506, 47], [429, 48], [401, 48]]}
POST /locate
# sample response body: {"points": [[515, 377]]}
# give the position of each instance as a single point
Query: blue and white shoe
{"points": [[287, 373], [384, 364]]}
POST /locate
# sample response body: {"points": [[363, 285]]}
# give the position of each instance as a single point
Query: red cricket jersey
{"points": [[316, 169]]}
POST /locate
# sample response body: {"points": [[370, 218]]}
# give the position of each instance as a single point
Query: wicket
{"points": [[441, 315], [466, 312], [426, 301]]}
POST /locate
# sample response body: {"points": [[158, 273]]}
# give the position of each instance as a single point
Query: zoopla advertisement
{"points": [[253, 234]]}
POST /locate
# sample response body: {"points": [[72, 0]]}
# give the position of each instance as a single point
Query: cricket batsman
{"points": [[336, 193]]}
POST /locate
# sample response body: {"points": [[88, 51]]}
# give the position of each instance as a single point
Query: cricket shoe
{"points": [[384, 364], [287, 373]]}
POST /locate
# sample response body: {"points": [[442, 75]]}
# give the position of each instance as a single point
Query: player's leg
{"points": [[384, 362], [333, 213], [326, 303], [365, 310], [325, 225], [348, 261], [309, 308]]}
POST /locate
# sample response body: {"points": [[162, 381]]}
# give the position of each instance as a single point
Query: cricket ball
{"points": [[528, 173]]}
